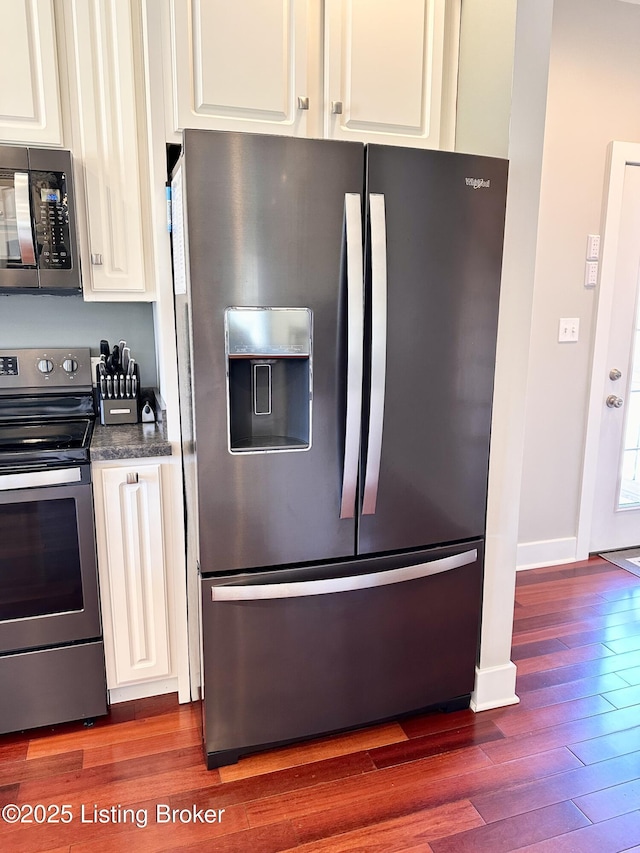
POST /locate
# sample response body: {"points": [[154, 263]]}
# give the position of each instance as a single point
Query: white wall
{"points": [[485, 71], [593, 98]]}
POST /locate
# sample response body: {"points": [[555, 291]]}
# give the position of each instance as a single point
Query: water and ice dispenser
{"points": [[269, 378]]}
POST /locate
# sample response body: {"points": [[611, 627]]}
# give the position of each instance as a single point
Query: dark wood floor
{"points": [[558, 772]]}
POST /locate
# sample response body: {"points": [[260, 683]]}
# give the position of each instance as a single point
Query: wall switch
{"points": [[569, 329], [591, 274], [593, 247]]}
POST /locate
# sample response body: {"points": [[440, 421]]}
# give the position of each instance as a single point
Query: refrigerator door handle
{"points": [[300, 589], [378, 226], [355, 333]]}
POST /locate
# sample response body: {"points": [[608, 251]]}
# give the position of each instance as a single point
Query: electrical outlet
{"points": [[593, 247], [569, 330], [591, 274]]}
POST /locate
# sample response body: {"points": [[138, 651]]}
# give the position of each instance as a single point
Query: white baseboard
{"points": [[546, 552], [495, 687], [143, 690]]}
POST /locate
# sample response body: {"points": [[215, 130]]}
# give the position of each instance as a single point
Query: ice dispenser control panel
{"points": [[269, 379]]}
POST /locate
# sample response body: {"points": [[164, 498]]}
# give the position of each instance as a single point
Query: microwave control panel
{"points": [[50, 207]]}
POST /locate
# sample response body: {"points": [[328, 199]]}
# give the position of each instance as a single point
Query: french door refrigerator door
{"points": [[300, 652], [266, 222], [435, 231]]}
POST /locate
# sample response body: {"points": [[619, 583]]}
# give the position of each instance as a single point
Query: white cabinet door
{"points": [[30, 111], [108, 129], [132, 570], [384, 71], [238, 66]]}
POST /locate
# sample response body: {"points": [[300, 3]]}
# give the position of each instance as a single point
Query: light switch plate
{"points": [[569, 330]]}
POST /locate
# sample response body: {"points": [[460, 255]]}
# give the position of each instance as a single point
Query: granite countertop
{"points": [[128, 441]]}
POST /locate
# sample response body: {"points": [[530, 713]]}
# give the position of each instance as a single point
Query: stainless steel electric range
{"points": [[51, 650]]}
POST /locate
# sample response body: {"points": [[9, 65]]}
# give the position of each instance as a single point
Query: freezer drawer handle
{"points": [[378, 350], [301, 589], [355, 332]]}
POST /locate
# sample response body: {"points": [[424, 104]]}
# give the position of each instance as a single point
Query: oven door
{"points": [[48, 577]]}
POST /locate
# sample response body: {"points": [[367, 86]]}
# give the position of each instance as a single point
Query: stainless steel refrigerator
{"points": [[336, 312]]}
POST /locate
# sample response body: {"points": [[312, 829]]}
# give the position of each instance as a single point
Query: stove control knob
{"points": [[70, 365], [45, 366]]}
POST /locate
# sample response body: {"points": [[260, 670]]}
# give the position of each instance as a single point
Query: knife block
{"points": [[119, 410]]}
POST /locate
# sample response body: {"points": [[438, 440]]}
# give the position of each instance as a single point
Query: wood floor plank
{"points": [[612, 836], [579, 689], [631, 676], [435, 744], [124, 791], [20, 771], [533, 650], [571, 733], [498, 805], [532, 720], [277, 782], [313, 750], [611, 802], [603, 635], [183, 717], [435, 723], [598, 749], [624, 698], [263, 839], [588, 669], [515, 832], [566, 657], [402, 789], [112, 753], [571, 628], [406, 833]]}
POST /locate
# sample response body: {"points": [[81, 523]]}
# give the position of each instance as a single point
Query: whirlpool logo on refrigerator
{"points": [[477, 183]]}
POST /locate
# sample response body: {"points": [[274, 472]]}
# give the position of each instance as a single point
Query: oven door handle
{"points": [[34, 479]]}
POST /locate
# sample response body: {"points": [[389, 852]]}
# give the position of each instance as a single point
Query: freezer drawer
{"points": [[298, 653]]}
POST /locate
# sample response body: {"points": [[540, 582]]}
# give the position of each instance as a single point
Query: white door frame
{"points": [[619, 155]]}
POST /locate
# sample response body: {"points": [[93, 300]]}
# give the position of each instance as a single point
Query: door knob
{"points": [[614, 402], [615, 374]]}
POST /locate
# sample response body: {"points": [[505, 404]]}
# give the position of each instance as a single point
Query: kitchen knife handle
{"points": [[355, 333], [378, 230]]}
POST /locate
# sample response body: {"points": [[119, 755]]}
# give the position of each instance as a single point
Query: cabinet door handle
{"points": [[303, 103], [336, 108], [132, 478]]}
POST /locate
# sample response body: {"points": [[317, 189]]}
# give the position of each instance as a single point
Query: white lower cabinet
{"points": [[141, 572]]}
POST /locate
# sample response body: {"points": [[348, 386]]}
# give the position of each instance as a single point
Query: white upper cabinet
{"points": [[383, 71], [108, 130], [238, 66], [30, 109], [368, 70]]}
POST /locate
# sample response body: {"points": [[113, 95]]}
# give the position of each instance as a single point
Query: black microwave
{"points": [[38, 246]]}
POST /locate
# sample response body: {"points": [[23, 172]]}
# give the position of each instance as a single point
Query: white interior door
{"points": [[616, 507]]}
